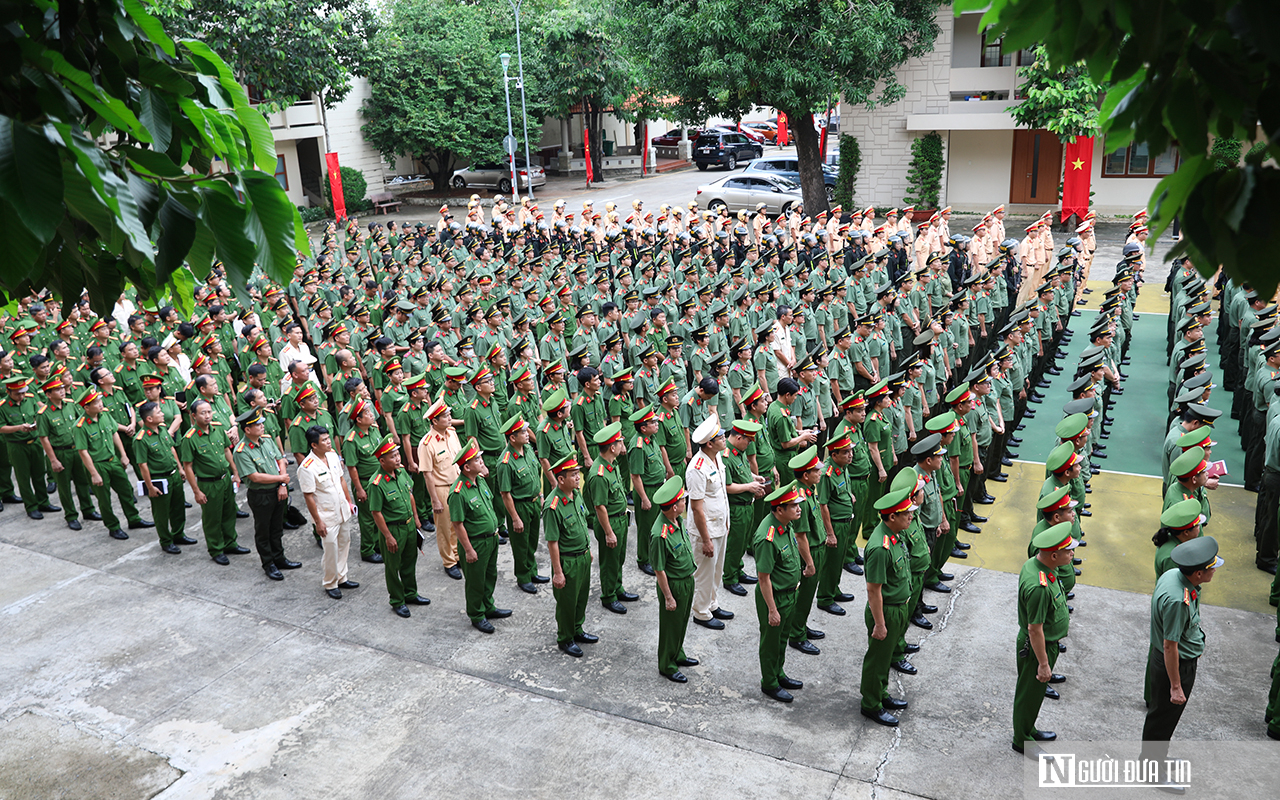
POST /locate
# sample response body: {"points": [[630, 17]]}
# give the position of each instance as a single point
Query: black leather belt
{"points": [[573, 554]]}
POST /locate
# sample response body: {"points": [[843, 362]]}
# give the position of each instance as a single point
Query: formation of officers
{"points": [[829, 395]]}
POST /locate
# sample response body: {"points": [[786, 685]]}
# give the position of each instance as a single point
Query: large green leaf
{"points": [[150, 26], [269, 222], [225, 216], [261, 141], [155, 117], [31, 178], [176, 235]]}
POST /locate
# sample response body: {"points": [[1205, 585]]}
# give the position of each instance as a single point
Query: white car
{"points": [[737, 192]]}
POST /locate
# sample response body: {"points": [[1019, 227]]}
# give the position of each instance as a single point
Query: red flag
{"points": [[1075, 179], [644, 160], [782, 129], [822, 146], [586, 150], [335, 186]]}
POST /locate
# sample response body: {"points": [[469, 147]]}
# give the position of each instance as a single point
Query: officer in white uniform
{"points": [[708, 522]]}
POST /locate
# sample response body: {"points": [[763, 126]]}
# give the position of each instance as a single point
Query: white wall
{"points": [[289, 149], [347, 140], [1117, 195], [966, 47], [979, 167]]}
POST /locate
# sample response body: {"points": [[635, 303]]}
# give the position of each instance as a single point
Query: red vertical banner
{"points": [[586, 152], [822, 145], [644, 160], [1076, 176], [782, 129], [335, 185]]}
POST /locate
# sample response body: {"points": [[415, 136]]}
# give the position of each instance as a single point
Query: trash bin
{"points": [[608, 148]]}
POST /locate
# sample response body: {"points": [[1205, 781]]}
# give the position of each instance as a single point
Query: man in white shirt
{"points": [[296, 350], [708, 522], [329, 501]]}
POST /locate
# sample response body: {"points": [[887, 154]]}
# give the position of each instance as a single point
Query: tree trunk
{"points": [[811, 180], [594, 116]]}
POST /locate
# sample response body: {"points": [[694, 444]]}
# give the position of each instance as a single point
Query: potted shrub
{"points": [[924, 180]]}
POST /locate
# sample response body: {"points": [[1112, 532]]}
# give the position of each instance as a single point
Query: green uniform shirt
{"points": [[357, 451], [483, 422], [471, 503], [737, 470], [22, 412], [58, 424], [886, 561], [156, 450], [519, 474], [604, 488], [392, 494], [205, 451], [777, 553], [782, 427], [1041, 601], [930, 513], [298, 429], [918, 557], [555, 441], [835, 492], [810, 521], [260, 457], [671, 436], [96, 438], [411, 421], [645, 460], [670, 550], [564, 520], [589, 415], [762, 448]]}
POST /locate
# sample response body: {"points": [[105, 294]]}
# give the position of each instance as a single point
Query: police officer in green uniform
{"points": [[476, 525], [837, 503], [671, 554], [555, 437], [396, 517], [812, 539], [262, 467], [886, 562], [854, 412], [607, 501], [1179, 523], [482, 421], [564, 520], [411, 425], [55, 425], [519, 482], [158, 460], [205, 454], [1187, 480], [362, 466], [1042, 622], [647, 474], [778, 568], [18, 426], [738, 472]]}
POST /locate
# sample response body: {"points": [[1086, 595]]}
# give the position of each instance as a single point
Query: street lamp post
{"points": [[524, 113], [505, 58]]}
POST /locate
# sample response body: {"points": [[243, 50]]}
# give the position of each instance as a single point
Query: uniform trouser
{"points": [[268, 523], [481, 577], [446, 538], [27, 459], [1255, 434], [217, 516], [966, 478], [114, 478], [861, 504], [571, 601], [917, 589], [1265, 518], [797, 626], [870, 517], [336, 544], [6, 472], [169, 510], [672, 625], [1162, 717], [773, 638], [708, 569], [420, 497], [644, 523], [524, 546], [370, 537], [944, 544], [1028, 693], [74, 471], [740, 527], [499, 510], [612, 558], [977, 483], [1272, 714], [875, 664], [828, 576], [401, 567]]}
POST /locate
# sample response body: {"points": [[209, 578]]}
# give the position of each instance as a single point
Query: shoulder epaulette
{"points": [[40, 407], [240, 447], [215, 423], [1043, 581], [691, 399], [376, 478], [885, 543], [80, 421], [768, 537], [546, 427], [457, 487], [1186, 595], [351, 437], [475, 402], [830, 470], [506, 458], [555, 501], [188, 435], [579, 401], [600, 471], [297, 420], [119, 367]]}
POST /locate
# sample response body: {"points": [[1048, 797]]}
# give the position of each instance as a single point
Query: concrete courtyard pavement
{"points": [[131, 673]]}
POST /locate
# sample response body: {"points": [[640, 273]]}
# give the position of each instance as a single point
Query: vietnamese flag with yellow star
{"points": [[1075, 178]]}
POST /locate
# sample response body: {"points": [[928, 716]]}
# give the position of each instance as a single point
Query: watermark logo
{"points": [[1069, 771]]}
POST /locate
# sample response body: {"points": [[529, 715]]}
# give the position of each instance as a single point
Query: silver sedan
{"points": [[498, 176], [740, 191]]}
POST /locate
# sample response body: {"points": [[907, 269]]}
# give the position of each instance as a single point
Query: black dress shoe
{"points": [[1044, 736], [541, 579], [735, 588], [834, 609], [183, 540], [11, 498], [790, 683], [779, 694], [713, 623], [963, 545], [586, 638], [720, 613], [51, 487], [1052, 694], [806, 647], [1078, 573], [1096, 454], [529, 587], [273, 573], [628, 597], [35, 514], [287, 564], [814, 633], [242, 514], [237, 551], [335, 593], [289, 526], [348, 585], [1006, 460], [498, 613], [676, 677], [1062, 647], [1034, 399], [49, 508], [911, 649], [938, 586], [612, 605], [920, 621], [647, 569], [94, 516], [1020, 426], [186, 503], [570, 649], [221, 560], [925, 608], [844, 597], [985, 500], [1273, 734], [1001, 478], [977, 518], [956, 552], [969, 527], [1086, 505], [905, 667], [1030, 413], [1077, 561], [454, 572], [1015, 440], [119, 534], [402, 611], [1056, 678], [749, 580], [881, 716], [418, 600], [75, 525], [946, 576], [172, 549], [1086, 513], [894, 704], [483, 625], [853, 569]]}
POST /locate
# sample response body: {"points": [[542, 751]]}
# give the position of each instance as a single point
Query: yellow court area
{"points": [[1151, 298], [1120, 555]]}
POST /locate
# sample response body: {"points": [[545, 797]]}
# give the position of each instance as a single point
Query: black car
{"points": [[724, 148], [788, 167]]}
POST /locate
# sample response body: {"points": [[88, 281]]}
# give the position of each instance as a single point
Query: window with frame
{"points": [[994, 54], [1137, 161], [282, 174]]}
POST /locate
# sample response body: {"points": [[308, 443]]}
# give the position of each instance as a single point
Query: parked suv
{"points": [[724, 148]]}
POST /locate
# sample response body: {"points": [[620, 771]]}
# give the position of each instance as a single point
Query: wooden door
{"points": [[1037, 162]]}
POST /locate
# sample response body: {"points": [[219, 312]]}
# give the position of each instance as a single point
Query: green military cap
{"points": [[892, 502], [457, 373], [607, 432], [556, 399], [627, 374], [940, 422], [1059, 456], [251, 417], [1201, 553], [1204, 413], [1201, 381], [954, 396], [1084, 405], [567, 464], [1188, 464], [747, 426], [1057, 537], [784, 495], [670, 491], [406, 306], [719, 309], [1080, 384], [928, 446], [17, 380], [1200, 437], [764, 328], [514, 425], [642, 414], [805, 460], [925, 337], [578, 351], [1188, 396], [978, 375], [639, 322], [1072, 426], [1053, 498], [1182, 515], [907, 479]]}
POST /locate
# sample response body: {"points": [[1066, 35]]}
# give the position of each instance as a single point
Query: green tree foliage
{"points": [[436, 85], [282, 49], [723, 57], [124, 154], [354, 187], [1179, 70], [1062, 100], [924, 178], [850, 163], [1226, 152]]}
